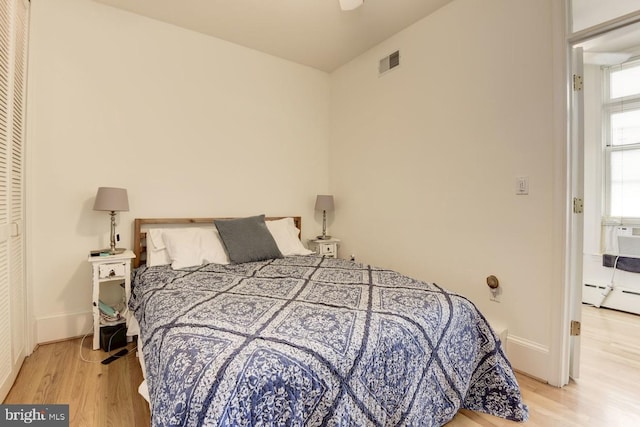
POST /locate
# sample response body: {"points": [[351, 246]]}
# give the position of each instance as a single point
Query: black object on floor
{"points": [[112, 337], [118, 355]]}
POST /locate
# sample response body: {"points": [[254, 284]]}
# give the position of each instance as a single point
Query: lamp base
{"points": [[325, 237]]}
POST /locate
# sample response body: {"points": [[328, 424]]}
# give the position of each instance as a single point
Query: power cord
{"points": [[112, 355], [607, 290]]}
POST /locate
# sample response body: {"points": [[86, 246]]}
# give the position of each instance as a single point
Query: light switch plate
{"points": [[522, 185]]}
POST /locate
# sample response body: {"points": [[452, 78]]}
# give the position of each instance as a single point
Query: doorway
{"points": [[608, 138], [611, 162]]}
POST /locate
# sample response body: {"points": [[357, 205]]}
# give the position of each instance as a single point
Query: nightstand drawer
{"points": [[106, 271], [327, 249]]}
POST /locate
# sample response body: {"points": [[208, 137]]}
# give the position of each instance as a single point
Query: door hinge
{"points": [[577, 82], [575, 328], [578, 205]]}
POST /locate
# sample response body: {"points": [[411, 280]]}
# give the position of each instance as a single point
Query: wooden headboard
{"points": [[141, 224]]}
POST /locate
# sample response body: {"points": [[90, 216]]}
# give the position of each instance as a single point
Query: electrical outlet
{"points": [[353, 257]]}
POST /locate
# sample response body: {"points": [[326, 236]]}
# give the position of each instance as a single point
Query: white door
{"points": [[577, 194], [14, 18]]}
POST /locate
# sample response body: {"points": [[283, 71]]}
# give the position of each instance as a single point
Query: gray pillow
{"points": [[247, 239]]}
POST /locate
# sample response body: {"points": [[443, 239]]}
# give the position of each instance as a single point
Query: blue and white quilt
{"points": [[310, 341]]}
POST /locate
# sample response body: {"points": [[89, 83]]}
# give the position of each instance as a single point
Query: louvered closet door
{"points": [[6, 357], [16, 183], [13, 59]]}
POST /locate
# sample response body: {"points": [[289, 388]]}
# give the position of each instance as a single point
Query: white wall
{"points": [[190, 125], [424, 160]]}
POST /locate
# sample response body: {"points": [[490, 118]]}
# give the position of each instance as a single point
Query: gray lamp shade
{"points": [[324, 203], [111, 199]]}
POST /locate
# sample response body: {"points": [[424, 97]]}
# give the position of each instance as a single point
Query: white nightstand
{"points": [[327, 248], [110, 274]]}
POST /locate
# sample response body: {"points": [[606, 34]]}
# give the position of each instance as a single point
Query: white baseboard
{"points": [[502, 332], [64, 326], [529, 357]]}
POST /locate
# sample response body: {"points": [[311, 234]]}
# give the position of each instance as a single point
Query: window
{"points": [[622, 141]]}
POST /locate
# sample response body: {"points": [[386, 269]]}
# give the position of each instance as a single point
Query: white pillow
{"points": [[156, 249], [285, 234], [183, 247], [212, 248], [187, 247]]}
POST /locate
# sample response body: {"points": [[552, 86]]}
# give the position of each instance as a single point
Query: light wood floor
{"points": [[98, 395], [606, 395]]}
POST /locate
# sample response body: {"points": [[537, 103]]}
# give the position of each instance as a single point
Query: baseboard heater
{"points": [[624, 291], [618, 298]]}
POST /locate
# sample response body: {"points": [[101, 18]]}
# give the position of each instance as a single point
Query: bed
{"points": [[305, 340]]}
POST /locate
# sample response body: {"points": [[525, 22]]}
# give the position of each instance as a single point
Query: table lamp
{"points": [[324, 203], [112, 200]]}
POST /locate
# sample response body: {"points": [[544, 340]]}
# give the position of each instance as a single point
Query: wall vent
{"points": [[389, 62]]}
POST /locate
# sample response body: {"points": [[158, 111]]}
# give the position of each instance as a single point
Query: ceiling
{"points": [[613, 47], [622, 44], [310, 32]]}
